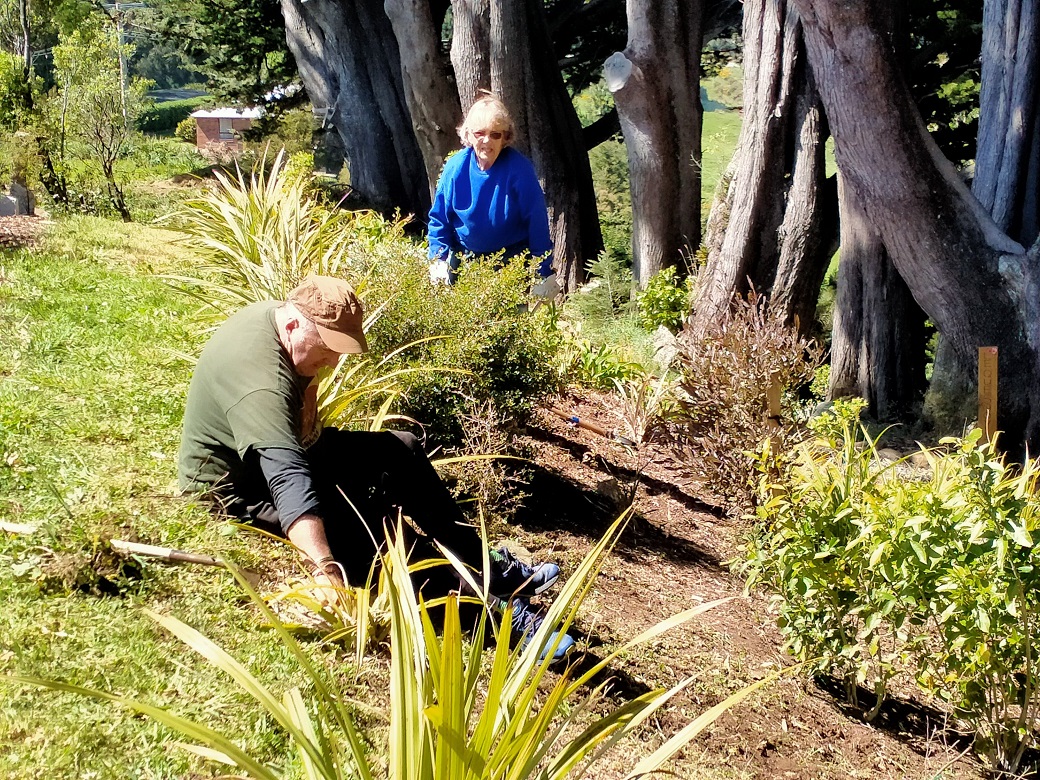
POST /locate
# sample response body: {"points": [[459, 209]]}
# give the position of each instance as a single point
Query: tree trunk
{"points": [[429, 87], [656, 87], [26, 41], [349, 62], [471, 48], [1007, 164], [767, 209], [525, 74], [878, 335], [964, 272], [810, 227]]}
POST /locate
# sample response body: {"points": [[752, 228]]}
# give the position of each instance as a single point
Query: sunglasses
{"points": [[494, 135]]}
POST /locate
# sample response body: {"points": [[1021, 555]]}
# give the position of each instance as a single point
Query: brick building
{"points": [[221, 128]]}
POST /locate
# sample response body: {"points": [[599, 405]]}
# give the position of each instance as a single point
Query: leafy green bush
{"points": [[167, 116], [665, 301], [598, 366], [936, 578], [487, 347], [187, 129], [292, 131], [258, 236]]}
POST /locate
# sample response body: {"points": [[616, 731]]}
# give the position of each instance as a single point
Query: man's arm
{"points": [[308, 535], [292, 490]]}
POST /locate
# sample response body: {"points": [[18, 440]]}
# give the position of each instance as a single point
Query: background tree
{"points": [[976, 283], [349, 62], [87, 108], [548, 130], [879, 341], [656, 86], [238, 45], [430, 93], [1007, 168], [773, 209]]}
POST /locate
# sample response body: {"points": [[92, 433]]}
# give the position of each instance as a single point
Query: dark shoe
{"points": [[512, 577], [526, 622]]}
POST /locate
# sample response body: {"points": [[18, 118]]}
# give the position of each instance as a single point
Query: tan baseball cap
{"points": [[334, 308]]}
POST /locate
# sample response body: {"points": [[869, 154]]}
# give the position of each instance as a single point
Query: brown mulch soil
{"points": [[672, 557], [18, 232]]}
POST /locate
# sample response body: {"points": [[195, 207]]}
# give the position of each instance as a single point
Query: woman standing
{"points": [[488, 198]]}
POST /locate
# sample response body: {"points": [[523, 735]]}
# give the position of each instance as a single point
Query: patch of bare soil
{"points": [[21, 231], [674, 556]]}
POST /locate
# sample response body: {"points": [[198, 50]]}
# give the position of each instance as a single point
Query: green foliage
{"points": [[487, 347], [238, 44], [291, 130], [608, 293], [935, 577], [12, 89], [187, 130], [599, 366], [664, 301], [609, 163], [726, 86], [944, 72], [167, 116], [258, 236], [725, 378], [160, 158], [603, 340], [452, 717]]}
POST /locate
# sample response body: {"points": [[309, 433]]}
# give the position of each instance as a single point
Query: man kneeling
{"points": [[252, 439]]}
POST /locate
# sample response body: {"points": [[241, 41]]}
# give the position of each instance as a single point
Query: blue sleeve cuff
{"points": [[545, 268]]}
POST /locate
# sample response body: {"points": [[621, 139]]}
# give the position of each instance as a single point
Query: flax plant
{"points": [[451, 716], [258, 236]]}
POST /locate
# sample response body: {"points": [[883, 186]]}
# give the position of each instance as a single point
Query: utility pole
{"points": [[117, 8], [23, 18]]}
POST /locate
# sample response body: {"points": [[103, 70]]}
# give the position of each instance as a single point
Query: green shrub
{"points": [[609, 163], [665, 301], [488, 348], [165, 117], [292, 131], [603, 340], [598, 366], [937, 578], [187, 129]]}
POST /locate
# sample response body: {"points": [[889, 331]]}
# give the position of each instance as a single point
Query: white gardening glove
{"points": [[547, 289], [439, 272]]}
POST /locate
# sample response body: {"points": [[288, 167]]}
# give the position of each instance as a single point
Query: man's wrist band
{"points": [[321, 564]]}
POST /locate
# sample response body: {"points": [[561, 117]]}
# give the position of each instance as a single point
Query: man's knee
{"points": [[409, 440]]}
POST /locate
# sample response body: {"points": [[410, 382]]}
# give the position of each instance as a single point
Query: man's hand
{"points": [[329, 585], [307, 534]]}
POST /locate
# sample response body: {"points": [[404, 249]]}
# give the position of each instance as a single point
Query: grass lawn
{"points": [[92, 383]]}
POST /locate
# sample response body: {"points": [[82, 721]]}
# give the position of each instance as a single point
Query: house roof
{"points": [[227, 113]]}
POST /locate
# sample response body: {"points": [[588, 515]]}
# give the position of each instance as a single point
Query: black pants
{"points": [[364, 480]]}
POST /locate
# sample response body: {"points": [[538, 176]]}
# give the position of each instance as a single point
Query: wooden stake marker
{"points": [[988, 392]]}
